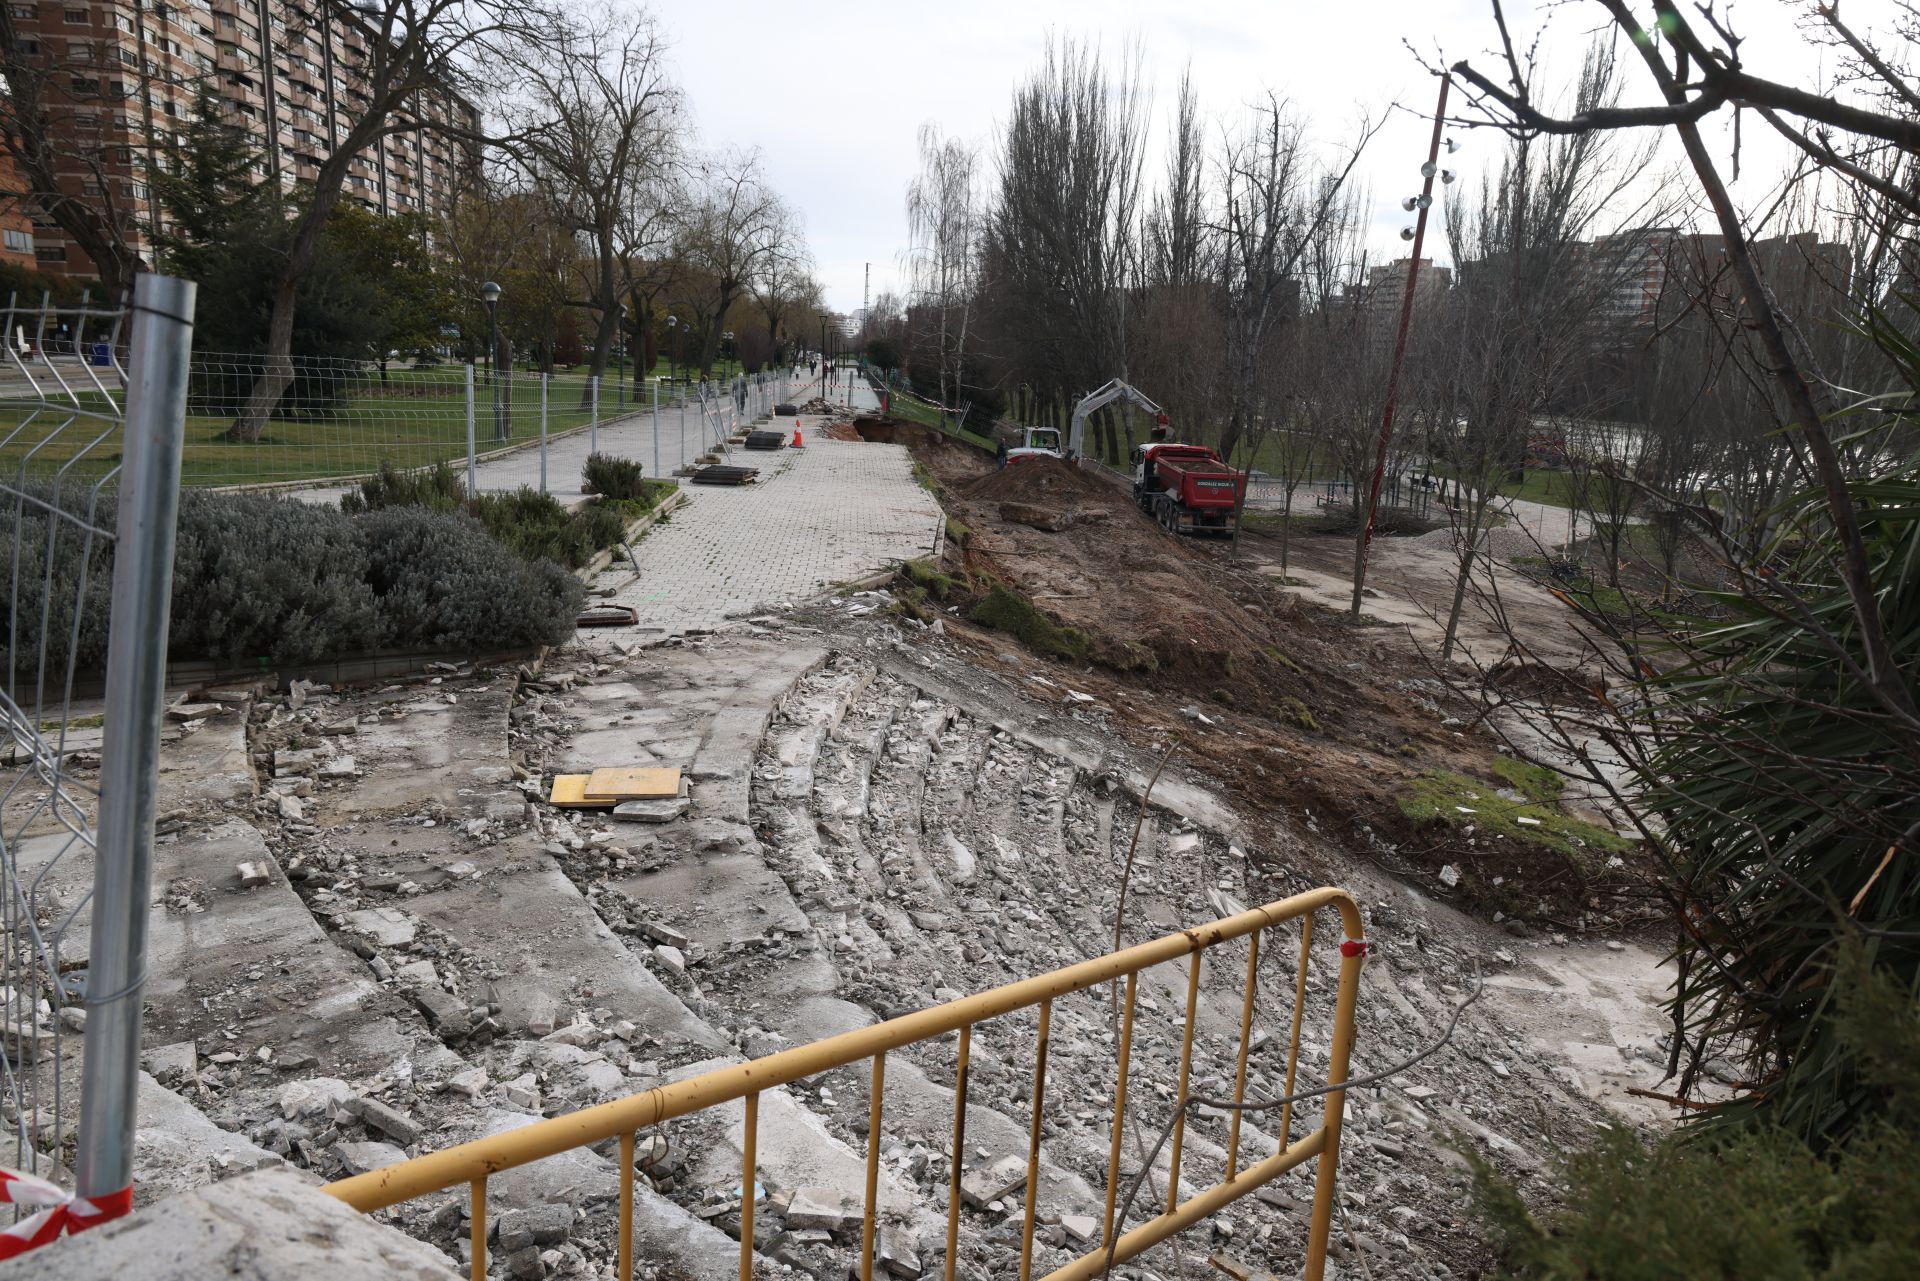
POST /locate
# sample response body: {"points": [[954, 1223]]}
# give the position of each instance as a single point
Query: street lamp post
{"points": [[490, 294], [673, 362]]}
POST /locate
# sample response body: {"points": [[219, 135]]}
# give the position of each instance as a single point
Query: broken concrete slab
{"points": [[176, 1148], [549, 941], [661, 811], [386, 926], [432, 753], [264, 1226], [735, 898], [359, 1158]]}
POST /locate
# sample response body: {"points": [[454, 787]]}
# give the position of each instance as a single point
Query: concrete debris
{"points": [[358, 1158]]}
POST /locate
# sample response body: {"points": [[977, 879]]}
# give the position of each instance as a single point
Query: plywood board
{"points": [[605, 785], [570, 792]]}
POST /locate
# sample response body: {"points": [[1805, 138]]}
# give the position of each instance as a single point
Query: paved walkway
{"points": [[832, 512]]}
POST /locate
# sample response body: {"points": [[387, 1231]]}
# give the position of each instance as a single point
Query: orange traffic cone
{"points": [[797, 442]]}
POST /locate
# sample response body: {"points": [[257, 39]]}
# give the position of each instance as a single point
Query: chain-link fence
{"points": [[89, 485]]}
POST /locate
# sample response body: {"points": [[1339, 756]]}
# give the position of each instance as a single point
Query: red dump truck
{"points": [[1187, 488]]}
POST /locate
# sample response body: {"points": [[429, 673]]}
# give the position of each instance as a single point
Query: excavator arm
{"points": [[1100, 399]]}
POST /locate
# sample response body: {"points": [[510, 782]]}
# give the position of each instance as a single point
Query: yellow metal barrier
{"points": [[471, 1163]]}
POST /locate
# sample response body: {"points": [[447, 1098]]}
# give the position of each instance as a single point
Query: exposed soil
{"points": [[1287, 703]]}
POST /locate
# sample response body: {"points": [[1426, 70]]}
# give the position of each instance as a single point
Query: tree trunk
{"points": [[1460, 589], [276, 374]]}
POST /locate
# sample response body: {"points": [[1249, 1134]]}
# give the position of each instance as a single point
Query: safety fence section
{"points": [[337, 419], [1162, 1209], [89, 489]]}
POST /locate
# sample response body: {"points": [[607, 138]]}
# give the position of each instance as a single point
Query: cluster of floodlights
{"points": [[1423, 201]]}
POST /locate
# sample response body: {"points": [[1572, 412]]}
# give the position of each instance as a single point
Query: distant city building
{"points": [[123, 78], [1386, 291]]}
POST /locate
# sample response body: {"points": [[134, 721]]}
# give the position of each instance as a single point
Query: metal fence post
{"points": [[593, 425], [130, 752], [683, 428], [656, 428], [470, 472], [544, 378]]}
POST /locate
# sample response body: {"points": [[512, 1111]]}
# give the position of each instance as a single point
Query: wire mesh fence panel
{"points": [[341, 418], [86, 534], [61, 441]]}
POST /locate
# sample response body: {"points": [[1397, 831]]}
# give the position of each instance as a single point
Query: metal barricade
{"points": [[92, 411], [622, 1119]]}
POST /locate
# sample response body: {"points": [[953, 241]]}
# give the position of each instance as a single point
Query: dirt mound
{"points": [[950, 460], [1041, 482]]}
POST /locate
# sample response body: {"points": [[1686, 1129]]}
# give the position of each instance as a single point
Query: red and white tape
{"points": [[64, 1212]]}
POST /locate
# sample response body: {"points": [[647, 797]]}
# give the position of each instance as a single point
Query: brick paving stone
{"points": [[832, 512]]}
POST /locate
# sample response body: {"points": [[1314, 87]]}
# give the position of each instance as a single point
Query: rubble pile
{"points": [[868, 831]]}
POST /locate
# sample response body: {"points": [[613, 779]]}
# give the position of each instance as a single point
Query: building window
{"points": [[50, 253], [85, 88], [19, 242], [23, 10], [79, 51], [77, 17]]}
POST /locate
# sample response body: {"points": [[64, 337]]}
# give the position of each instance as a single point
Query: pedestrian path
{"points": [[831, 512]]}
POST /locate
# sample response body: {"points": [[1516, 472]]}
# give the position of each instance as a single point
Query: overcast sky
{"points": [[834, 97]]}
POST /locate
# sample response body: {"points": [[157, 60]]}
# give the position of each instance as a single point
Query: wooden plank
{"points": [[613, 785], [570, 792]]}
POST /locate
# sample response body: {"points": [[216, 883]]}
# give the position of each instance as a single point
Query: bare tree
{"points": [[1062, 238], [1529, 300], [595, 124], [943, 219], [1274, 200], [734, 226], [416, 49]]}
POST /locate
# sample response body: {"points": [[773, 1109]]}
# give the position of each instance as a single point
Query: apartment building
{"points": [[123, 77]]}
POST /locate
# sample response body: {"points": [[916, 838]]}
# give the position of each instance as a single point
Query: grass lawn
{"points": [[415, 418], [909, 410]]}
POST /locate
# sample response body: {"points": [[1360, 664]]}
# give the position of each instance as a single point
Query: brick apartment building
{"points": [[291, 71]]}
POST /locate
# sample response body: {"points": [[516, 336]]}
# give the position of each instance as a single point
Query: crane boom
{"points": [[1100, 399]]}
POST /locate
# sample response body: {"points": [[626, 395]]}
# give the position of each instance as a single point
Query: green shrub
{"points": [[526, 520], [1442, 796], [255, 576], [443, 583], [435, 487], [535, 524], [1006, 610], [69, 611], [1535, 782], [1299, 713], [925, 575], [613, 477], [1754, 1201]]}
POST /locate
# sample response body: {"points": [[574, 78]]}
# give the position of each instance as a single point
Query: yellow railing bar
{"points": [[1190, 1212], [1119, 1108], [873, 1167], [959, 1151], [627, 1176], [475, 1160], [1180, 1091], [1293, 1043], [749, 1185], [1240, 1068], [477, 1234], [1033, 1140]]}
